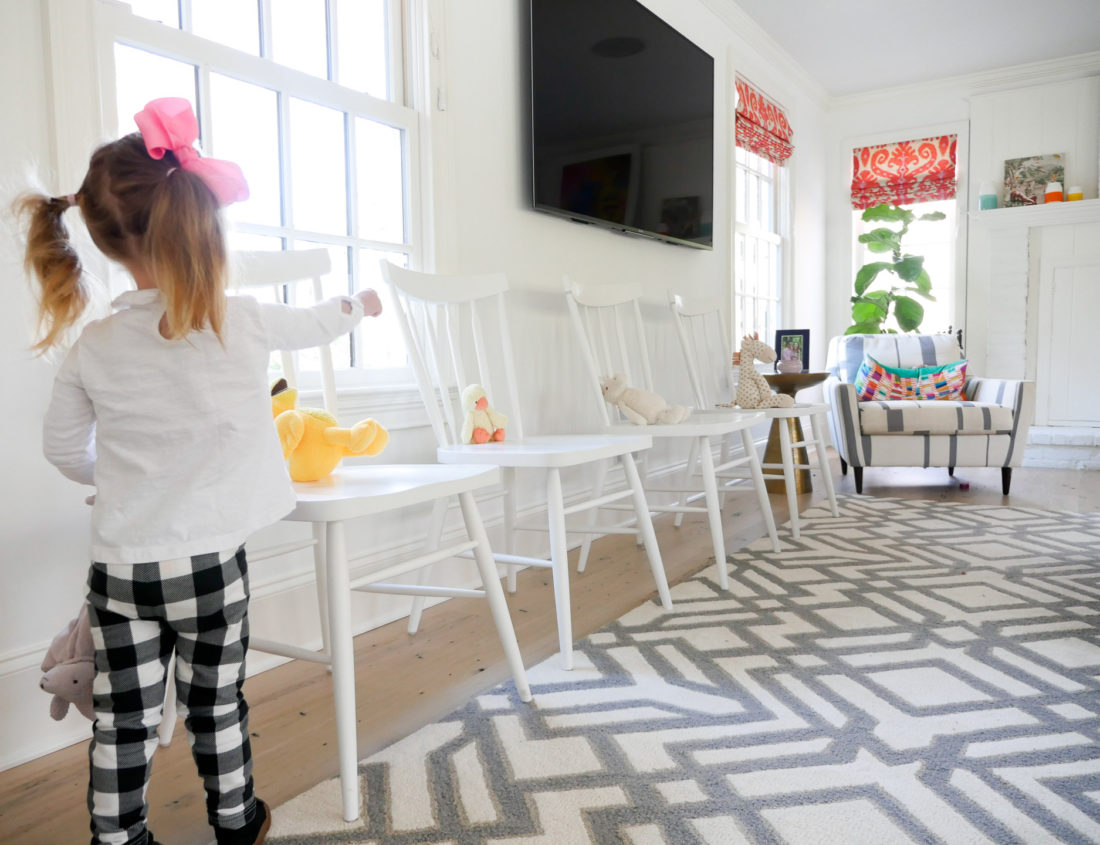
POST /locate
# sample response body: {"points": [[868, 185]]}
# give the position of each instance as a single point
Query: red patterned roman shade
{"points": [[762, 126], [904, 172]]}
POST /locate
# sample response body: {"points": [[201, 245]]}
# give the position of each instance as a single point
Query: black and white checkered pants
{"points": [[140, 614]]}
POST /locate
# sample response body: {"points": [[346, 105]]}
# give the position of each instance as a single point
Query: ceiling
{"points": [[854, 46]]}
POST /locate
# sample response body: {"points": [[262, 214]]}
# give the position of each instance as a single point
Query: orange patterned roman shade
{"points": [[761, 125], [904, 172]]}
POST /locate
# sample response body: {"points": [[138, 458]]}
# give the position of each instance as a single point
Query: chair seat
{"points": [[918, 416], [549, 450], [354, 491], [698, 424]]}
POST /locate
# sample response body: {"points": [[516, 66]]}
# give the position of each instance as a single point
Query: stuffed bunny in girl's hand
{"points": [[69, 668]]}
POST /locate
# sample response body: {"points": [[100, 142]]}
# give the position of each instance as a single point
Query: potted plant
{"points": [[871, 308]]}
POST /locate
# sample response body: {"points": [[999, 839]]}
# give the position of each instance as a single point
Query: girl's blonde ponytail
{"points": [[51, 258], [184, 247]]}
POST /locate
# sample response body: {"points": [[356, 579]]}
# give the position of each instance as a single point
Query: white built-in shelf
{"points": [[1053, 214]]}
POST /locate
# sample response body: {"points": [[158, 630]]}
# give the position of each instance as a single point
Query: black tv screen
{"points": [[622, 120]]}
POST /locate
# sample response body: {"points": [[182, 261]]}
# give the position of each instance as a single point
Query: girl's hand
{"points": [[372, 305]]}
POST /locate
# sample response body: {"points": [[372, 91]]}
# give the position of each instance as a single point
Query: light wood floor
{"points": [[405, 682]]}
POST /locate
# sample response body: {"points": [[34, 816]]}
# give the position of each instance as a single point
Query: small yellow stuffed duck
{"points": [[312, 441]]}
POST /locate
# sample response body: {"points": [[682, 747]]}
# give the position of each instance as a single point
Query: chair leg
{"points": [[843, 467], [857, 474], [1006, 480], [343, 666], [723, 459], [646, 532], [490, 582], [819, 425], [951, 471], [714, 512], [689, 471], [509, 504], [761, 489], [168, 715], [787, 455], [559, 561], [435, 532], [586, 544], [319, 570]]}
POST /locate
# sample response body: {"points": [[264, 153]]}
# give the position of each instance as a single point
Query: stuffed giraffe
{"points": [[752, 390]]}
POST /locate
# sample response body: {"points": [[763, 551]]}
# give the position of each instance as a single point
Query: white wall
{"points": [[482, 221]]}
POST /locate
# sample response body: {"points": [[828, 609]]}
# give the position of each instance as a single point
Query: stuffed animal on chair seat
{"points": [[482, 424], [69, 668], [641, 407], [312, 441], [753, 391]]}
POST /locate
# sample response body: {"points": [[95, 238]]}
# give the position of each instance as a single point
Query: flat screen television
{"points": [[622, 120]]}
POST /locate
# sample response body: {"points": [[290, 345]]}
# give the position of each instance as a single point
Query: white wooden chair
{"points": [[705, 341], [373, 490], [456, 330], [609, 327]]}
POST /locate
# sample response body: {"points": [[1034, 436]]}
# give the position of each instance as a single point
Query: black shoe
{"points": [[253, 833]]}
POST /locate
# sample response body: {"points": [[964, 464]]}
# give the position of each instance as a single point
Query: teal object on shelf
{"points": [[987, 196]]}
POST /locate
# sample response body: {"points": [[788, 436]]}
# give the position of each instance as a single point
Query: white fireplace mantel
{"points": [[1027, 216]]}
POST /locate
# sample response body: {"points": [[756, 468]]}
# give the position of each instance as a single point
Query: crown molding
{"points": [[986, 82], [736, 19]]}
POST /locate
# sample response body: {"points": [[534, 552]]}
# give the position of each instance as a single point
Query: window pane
{"points": [[380, 338], [299, 35], [317, 166], [379, 172], [164, 11], [362, 43], [246, 130], [935, 241], [234, 23], [334, 283], [142, 76], [239, 241]]}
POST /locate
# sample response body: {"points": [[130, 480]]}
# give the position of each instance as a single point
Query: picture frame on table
{"points": [[792, 345]]}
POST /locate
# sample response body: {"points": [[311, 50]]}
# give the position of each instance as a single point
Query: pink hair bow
{"points": [[169, 124]]}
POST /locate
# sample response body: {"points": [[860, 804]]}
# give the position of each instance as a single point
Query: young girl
{"points": [[164, 407]]}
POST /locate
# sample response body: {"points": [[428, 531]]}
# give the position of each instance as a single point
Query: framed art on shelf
{"points": [[1026, 178], [792, 345]]}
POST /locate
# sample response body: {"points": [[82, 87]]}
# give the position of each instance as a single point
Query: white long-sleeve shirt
{"points": [[177, 435]]}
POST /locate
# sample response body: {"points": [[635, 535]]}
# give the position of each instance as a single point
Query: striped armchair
{"points": [[988, 428]]}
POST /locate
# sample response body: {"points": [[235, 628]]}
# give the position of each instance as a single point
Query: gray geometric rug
{"points": [[912, 672]]}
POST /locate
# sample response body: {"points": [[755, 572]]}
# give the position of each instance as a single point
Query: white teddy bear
{"points": [[641, 407]]}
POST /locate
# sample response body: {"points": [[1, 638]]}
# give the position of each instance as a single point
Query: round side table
{"points": [[790, 383]]}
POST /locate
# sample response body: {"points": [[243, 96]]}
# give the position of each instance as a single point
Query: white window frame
{"points": [[775, 238], [961, 131], [84, 111]]}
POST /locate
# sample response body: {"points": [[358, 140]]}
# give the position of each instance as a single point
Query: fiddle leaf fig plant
{"points": [[871, 308]]}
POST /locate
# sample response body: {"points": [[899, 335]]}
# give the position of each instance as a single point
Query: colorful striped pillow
{"points": [[875, 381]]}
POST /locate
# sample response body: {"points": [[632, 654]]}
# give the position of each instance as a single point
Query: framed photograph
{"points": [[792, 345], [1026, 178]]}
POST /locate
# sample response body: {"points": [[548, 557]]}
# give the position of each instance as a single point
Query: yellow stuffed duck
{"points": [[312, 441]]}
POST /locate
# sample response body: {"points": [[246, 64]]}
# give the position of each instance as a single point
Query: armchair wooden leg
{"points": [[1006, 479], [843, 467], [857, 473]]}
